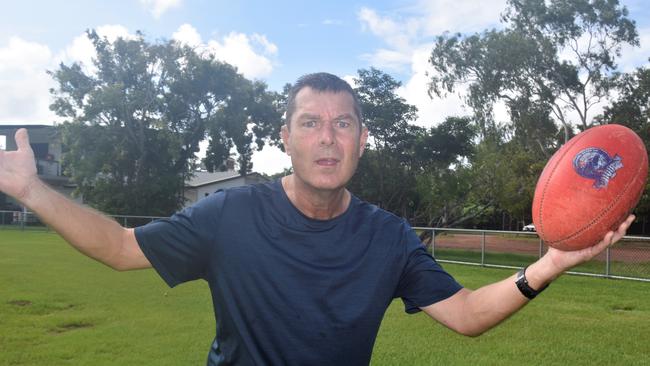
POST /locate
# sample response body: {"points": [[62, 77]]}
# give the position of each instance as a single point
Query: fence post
{"points": [[607, 262], [433, 243], [483, 248]]}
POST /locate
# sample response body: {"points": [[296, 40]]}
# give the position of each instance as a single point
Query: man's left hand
{"points": [[565, 260]]}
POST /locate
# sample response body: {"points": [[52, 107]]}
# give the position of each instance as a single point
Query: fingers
{"points": [[613, 236], [22, 139], [571, 259], [622, 229], [626, 224], [607, 241]]}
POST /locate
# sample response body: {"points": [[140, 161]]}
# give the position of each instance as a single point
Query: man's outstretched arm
{"points": [[474, 312], [87, 230]]}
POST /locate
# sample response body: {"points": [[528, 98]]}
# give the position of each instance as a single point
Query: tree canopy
{"points": [[135, 119], [550, 64], [399, 152], [555, 56]]}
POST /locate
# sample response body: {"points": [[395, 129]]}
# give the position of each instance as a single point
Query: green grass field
{"points": [[60, 308]]}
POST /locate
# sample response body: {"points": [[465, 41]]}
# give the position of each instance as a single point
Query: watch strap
{"points": [[524, 287]]}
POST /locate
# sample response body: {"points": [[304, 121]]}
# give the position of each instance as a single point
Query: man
{"points": [[300, 270]]}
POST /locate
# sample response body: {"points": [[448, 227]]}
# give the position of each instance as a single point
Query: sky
{"points": [[273, 41]]}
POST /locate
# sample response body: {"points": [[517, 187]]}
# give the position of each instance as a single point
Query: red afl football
{"points": [[589, 186]]}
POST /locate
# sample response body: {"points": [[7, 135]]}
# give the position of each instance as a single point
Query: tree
{"points": [[632, 109], [443, 182], [405, 167], [252, 117], [384, 174], [133, 126], [555, 54]]}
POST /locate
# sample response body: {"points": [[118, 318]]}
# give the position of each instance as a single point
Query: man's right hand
{"points": [[18, 168], [89, 231]]}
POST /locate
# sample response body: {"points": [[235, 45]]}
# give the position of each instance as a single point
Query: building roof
{"points": [[51, 130], [202, 178], [15, 127], [7, 127]]}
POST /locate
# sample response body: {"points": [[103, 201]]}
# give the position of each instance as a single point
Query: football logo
{"points": [[595, 163]]}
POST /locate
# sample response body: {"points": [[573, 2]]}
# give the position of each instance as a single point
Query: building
{"points": [[204, 183], [46, 144], [47, 147]]}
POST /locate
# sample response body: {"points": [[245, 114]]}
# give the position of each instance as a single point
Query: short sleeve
{"points": [[178, 247], [423, 281]]}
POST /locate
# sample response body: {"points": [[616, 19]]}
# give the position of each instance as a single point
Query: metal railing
{"points": [[627, 259], [25, 220]]}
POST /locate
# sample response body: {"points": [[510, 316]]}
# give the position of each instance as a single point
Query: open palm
{"points": [[566, 260], [17, 168]]}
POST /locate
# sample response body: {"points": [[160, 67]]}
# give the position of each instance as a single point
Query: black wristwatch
{"points": [[524, 287]]}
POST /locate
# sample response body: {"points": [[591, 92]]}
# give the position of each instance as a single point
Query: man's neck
{"points": [[313, 203]]}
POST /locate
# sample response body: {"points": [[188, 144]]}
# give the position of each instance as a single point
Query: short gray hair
{"points": [[321, 82]]}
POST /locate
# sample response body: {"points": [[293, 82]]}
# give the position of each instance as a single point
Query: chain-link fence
{"points": [[627, 259], [19, 220]]}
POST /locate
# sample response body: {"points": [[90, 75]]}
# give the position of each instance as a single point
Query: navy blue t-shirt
{"points": [[288, 289]]}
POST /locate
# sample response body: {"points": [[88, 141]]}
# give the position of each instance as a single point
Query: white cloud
{"points": [[270, 160], [158, 7], [634, 57], [465, 16], [253, 55], [269, 48], [14, 55], [398, 34], [247, 53], [415, 91], [350, 80], [114, 31], [25, 83], [332, 22], [389, 59], [380, 26], [82, 51], [405, 30], [188, 35]]}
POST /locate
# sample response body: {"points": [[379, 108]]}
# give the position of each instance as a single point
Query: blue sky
{"points": [[274, 41]]}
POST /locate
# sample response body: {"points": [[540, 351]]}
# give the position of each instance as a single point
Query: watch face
{"points": [[522, 285], [521, 275]]}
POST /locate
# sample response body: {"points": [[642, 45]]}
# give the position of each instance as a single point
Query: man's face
{"points": [[325, 140]]}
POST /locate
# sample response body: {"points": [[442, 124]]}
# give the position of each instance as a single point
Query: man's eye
{"points": [[343, 123], [309, 123]]}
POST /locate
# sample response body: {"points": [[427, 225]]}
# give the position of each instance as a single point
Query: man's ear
{"points": [[363, 138], [284, 134]]}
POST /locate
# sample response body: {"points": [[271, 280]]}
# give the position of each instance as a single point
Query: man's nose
{"points": [[327, 134]]}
